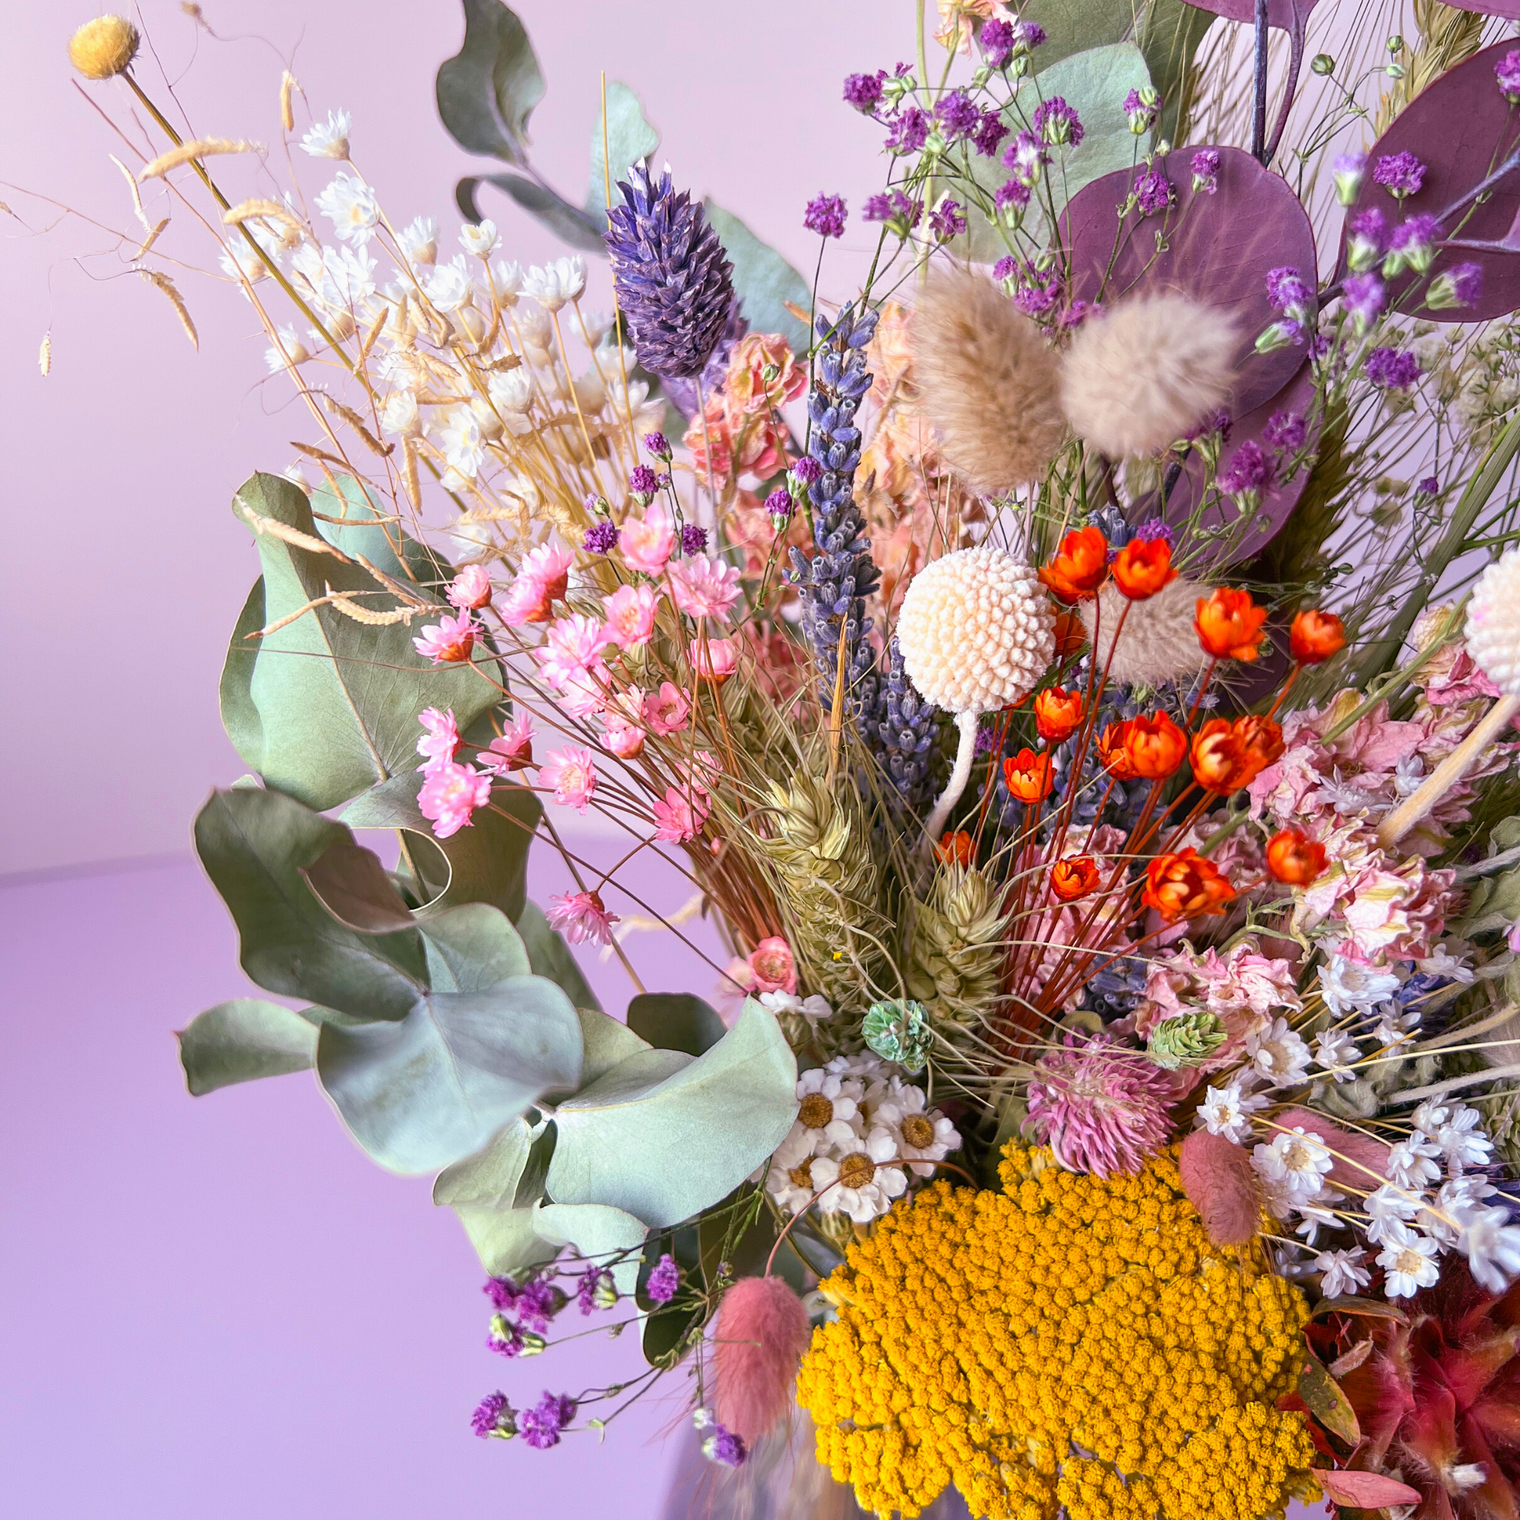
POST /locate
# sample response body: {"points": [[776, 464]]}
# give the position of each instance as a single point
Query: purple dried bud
{"points": [[909, 131], [1507, 72], [1249, 473], [807, 470], [1025, 157], [1056, 122], [779, 503], [1366, 238], [1028, 34], [1364, 296], [1142, 107], [1430, 486], [725, 1447], [693, 539], [1461, 285], [1392, 369], [1153, 193], [596, 1290], [957, 115], [1288, 293], [1077, 313], [1012, 195], [863, 91], [1412, 243], [947, 220], [1152, 529], [989, 134], [1205, 168], [601, 538], [541, 1425], [1400, 174], [494, 1417], [658, 445], [643, 481], [1286, 432], [897, 210], [825, 215], [997, 41], [663, 1280]]}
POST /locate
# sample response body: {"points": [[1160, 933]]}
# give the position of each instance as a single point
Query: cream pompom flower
{"points": [[104, 47], [976, 632]]}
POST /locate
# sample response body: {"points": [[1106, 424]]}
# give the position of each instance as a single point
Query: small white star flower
{"points": [[556, 283], [1337, 1053], [1227, 1111], [1387, 1209], [479, 238], [328, 139], [350, 205], [419, 240], [448, 287], [1279, 1054], [1343, 1272], [1491, 1245], [1411, 1163], [1408, 1262], [1347, 985], [1461, 1140], [1297, 1160], [1395, 1029]]}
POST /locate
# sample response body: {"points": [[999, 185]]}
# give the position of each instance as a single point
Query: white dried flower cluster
{"points": [[1493, 622], [1477, 378], [855, 1115], [976, 630]]}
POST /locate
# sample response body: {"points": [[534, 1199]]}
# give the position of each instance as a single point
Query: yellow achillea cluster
{"points": [[1073, 1341]]}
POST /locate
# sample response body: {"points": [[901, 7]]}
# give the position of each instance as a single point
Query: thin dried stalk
{"points": [[288, 87], [368, 614], [150, 240], [286, 534], [202, 147], [394, 586], [320, 455], [165, 284], [137, 204]]}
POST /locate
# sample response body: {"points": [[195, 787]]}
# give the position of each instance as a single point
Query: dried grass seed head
{"points": [[988, 379], [1158, 642], [1147, 372], [104, 47]]}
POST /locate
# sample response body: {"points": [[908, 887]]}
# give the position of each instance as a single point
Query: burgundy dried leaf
{"points": [[1461, 128], [1279, 12]]}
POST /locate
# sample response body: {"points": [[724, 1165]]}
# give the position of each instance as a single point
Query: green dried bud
{"points": [[1189, 1039], [1323, 64], [899, 1031], [605, 1294]]}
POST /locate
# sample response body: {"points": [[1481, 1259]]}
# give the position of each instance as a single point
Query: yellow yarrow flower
{"points": [[1072, 1340]]}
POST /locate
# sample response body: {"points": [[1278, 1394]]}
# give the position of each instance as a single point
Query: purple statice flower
{"points": [[508, 1338], [1034, 291], [693, 539], [658, 445], [1005, 268], [989, 134], [1219, 423], [899, 211], [1347, 170], [1077, 313], [863, 91], [1153, 192], [909, 131], [1461, 285], [1025, 157], [1028, 35], [663, 1280], [986, 740], [1392, 369], [1430, 486], [997, 41], [1152, 529], [601, 538], [779, 503], [1249, 472], [1366, 238], [1205, 167], [643, 481], [1010, 193], [957, 114], [1400, 174], [502, 1292], [1287, 291], [596, 1290], [541, 1425], [947, 219], [807, 470], [725, 1447], [494, 1417], [1413, 243], [1056, 122], [1286, 431], [537, 1303], [1364, 296], [825, 215], [1507, 72], [673, 281], [1142, 107]]}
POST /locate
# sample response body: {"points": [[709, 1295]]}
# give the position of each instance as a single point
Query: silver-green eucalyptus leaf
{"points": [[622, 137], [763, 281], [354, 887], [569, 223], [471, 948], [242, 1041], [598, 1232], [488, 89]]}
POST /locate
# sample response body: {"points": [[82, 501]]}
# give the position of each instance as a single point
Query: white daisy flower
{"points": [[556, 283], [1411, 1163], [448, 287], [1343, 1272], [1491, 1245], [1337, 1053], [789, 1178], [1347, 985], [328, 139], [1408, 1262], [857, 1184], [419, 240], [1279, 1054], [286, 350], [350, 205], [923, 1135], [830, 1105], [1227, 1111], [478, 238], [1296, 1159]]}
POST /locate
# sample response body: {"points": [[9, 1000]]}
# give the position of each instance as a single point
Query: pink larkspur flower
{"points": [[471, 588], [573, 648], [647, 542], [512, 750], [714, 659], [667, 710], [449, 640], [440, 738], [679, 816], [581, 916], [630, 616], [450, 794], [774, 968], [571, 773], [703, 587], [1100, 1107]]}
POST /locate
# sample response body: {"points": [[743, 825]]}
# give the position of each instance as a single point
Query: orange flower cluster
{"points": [[956, 848], [1295, 859], [1030, 777], [1315, 636], [1143, 567], [1058, 714], [1229, 624], [1228, 756], [1182, 884], [1073, 877], [1076, 570]]}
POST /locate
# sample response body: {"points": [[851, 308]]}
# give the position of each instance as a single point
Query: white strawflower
{"points": [[1408, 1263], [1343, 1272], [462, 444], [1279, 1054], [506, 281], [478, 238], [328, 139], [1491, 1245], [286, 350], [1338, 1054], [533, 325], [448, 287], [511, 390], [400, 414], [1297, 1160], [1493, 622], [1346, 985], [556, 283], [350, 205], [419, 240], [1227, 1111]]}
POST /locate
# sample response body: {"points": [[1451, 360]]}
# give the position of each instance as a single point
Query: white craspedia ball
{"points": [[976, 630], [1493, 622]]}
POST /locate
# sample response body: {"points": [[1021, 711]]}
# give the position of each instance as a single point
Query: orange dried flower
{"points": [[1220, 763], [1029, 776], [1155, 746], [1144, 567], [1114, 754], [1076, 570], [1315, 636], [1261, 738], [1071, 636], [1295, 859], [1073, 877], [1058, 714], [1229, 624], [1185, 885], [955, 848]]}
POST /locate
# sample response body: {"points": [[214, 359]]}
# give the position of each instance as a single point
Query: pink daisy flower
{"points": [[581, 916], [647, 542], [450, 794], [714, 659], [679, 816], [471, 588], [512, 750], [540, 583], [573, 649], [624, 717], [440, 738], [667, 711], [703, 587], [630, 616], [449, 640], [572, 775]]}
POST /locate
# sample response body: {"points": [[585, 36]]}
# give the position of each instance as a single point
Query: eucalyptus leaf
{"points": [[488, 89], [505, 1240], [240, 713], [662, 1136], [435, 1087], [607, 1043], [353, 886], [550, 956], [628, 138], [763, 281], [242, 1041], [675, 1021], [489, 1178], [471, 948], [597, 1231], [568, 223], [253, 844]]}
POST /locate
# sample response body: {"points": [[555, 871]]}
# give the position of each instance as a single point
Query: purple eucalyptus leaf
{"points": [[1216, 248], [1463, 130], [1509, 9], [1279, 12]]}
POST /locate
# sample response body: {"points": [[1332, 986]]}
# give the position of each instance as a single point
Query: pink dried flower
{"points": [[679, 816], [1220, 1183], [449, 640], [541, 582], [624, 718], [471, 588], [573, 649], [571, 773], [647, 542], [667, 711], [1398, 912], [440, 738], [761, 1334], [714, 659], [450, 794], [581, 916], [630, 616], [703, 587], [773, 965], [1100, 1107], [512, 750]]}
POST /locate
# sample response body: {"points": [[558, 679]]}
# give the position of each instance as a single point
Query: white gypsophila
{"points": [[1411, 1163], [1387, 1207], [506, 281], [1337, 1053], [1491, 1245], [1349, 987], [1227, 1111], [418, 240], [350, 205], [286, 350], [923, 1134], [556, 283], [1279, 1054], [1408, 1261], [462, 445], [328, 139], [1297, 1160], [789, 1177], [400, 415], [1461, 1140], [533, 325], [1343, 1272], [478, 239], [858, 1183], [449, 287], [1395, 1029], [829, 1104], [813, 1007]]}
